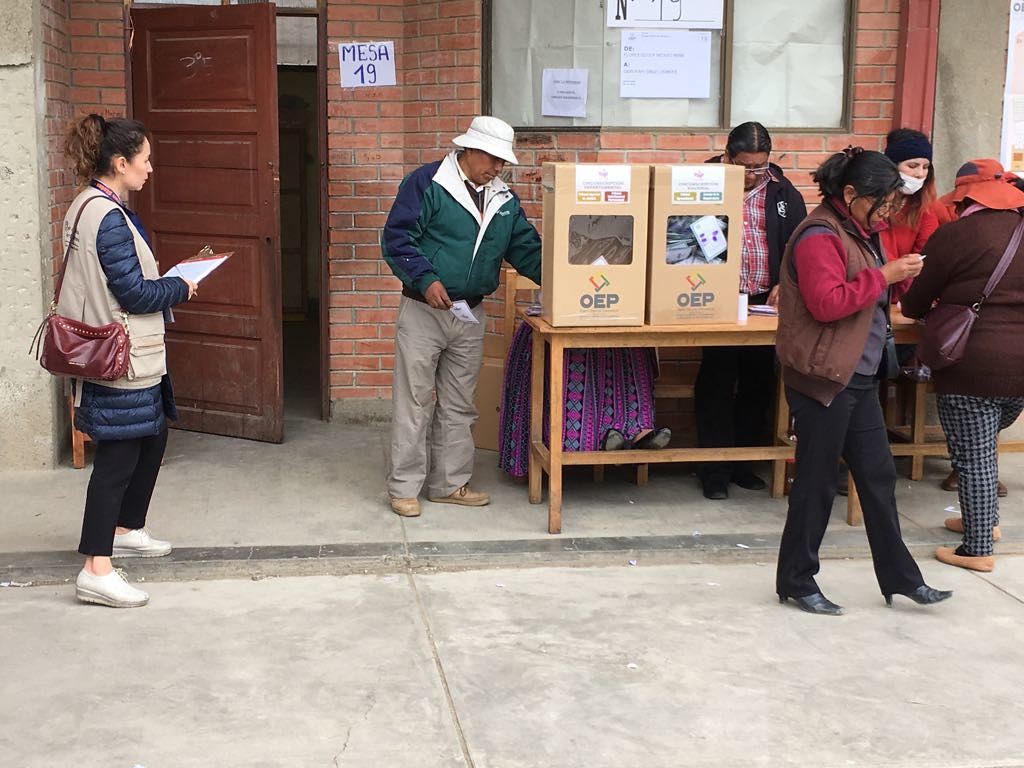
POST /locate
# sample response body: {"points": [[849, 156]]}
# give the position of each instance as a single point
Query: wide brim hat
{"points": [[986, 182], [491, 135]]}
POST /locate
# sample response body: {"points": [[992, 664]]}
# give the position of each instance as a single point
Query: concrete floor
{"points": [[674, 666]]}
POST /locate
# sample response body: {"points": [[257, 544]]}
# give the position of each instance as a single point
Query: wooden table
{"points": [[759, 331]]}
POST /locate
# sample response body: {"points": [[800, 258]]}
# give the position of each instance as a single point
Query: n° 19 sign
{"points": [[367, 65]]}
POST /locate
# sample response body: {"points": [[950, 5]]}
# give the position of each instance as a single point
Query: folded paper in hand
{"points": [[462, 311], [198, 267]]}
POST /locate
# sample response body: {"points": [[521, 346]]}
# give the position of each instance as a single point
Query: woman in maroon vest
{"points": [[833, 343]]}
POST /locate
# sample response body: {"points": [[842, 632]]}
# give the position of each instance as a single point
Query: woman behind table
{"points": [[915, 219], [112, 268], [984, 392], [608, 396], [834, 296], [734, 387]]}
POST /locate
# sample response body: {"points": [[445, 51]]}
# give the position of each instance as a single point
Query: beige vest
{"points": [[85, 296]]}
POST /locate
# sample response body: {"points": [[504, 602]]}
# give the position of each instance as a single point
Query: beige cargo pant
{"points": [[435, 352]]}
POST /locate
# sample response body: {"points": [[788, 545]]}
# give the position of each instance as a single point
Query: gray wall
{"points": [[969, 92], [28, 402]]}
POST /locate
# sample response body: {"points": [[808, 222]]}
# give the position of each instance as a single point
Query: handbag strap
{"points": [[67, 251], [1003, 265]]}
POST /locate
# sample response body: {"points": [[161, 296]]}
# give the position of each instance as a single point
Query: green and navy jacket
{"points": [[435, 232]]}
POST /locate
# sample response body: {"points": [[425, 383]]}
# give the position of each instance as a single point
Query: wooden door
{"points": [[204, 82]]}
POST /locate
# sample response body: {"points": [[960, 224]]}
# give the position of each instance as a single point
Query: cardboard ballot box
{"points": [[594, 244], [696, 235]]}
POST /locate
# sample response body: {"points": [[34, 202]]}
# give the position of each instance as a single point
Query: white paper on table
{"points": [[669, 64], [564, 93], [462, 311], [198, 269]]}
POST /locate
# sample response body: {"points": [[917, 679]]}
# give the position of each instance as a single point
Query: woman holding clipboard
{"points": [[111, 276]]}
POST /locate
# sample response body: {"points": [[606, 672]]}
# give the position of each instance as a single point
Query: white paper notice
{"points": [[679, 14], [462, 311], [699, 184], [671, 64], [564, 93], [367, 65], [603, 183]]}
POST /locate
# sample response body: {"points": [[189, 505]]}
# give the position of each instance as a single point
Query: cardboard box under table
{"points": [[594, 244], [696, 236]]}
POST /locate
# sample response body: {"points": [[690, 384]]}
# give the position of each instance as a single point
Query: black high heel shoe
{"points": [[923, 595], [816, 603]]}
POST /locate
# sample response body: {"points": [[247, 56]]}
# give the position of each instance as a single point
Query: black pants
{"points": [[851, 427], [733, 400], [124, 474]]}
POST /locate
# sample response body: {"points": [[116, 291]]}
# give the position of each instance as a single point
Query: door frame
{"points": [[320, 12]]}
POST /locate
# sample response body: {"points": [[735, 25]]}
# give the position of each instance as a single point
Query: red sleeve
{"points": [[820, 262], [926, 227]]}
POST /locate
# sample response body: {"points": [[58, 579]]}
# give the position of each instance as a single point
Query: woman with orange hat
{"points": [[983, 392]]}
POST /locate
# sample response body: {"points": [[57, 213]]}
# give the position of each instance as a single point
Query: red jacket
{"points": [[901, 238]]}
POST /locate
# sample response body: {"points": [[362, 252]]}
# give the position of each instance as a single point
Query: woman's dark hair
{"points": [[748, 137], [93, 142], [871, 174], [924, 197]]}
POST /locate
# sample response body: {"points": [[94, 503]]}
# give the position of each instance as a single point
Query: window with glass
{"points": [[784, 63]]}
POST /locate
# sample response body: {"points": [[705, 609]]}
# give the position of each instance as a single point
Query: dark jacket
{"points": [[107, 413], [435, 232], [961, 257], [825, 312], [784, 209]]}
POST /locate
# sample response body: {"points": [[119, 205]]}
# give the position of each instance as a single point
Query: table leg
{"points": [[919, 429], [536, 416], [854, 515], [557, 419], [781, 427]]}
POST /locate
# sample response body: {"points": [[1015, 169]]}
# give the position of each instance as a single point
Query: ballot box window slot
{"points": [[700, 240], [600, 240]]}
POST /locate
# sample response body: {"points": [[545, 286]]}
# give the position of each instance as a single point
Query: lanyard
{"points": [[108, 192]]}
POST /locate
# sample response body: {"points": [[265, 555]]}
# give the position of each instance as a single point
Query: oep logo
{"points": [[695, 297], [597, 299]]}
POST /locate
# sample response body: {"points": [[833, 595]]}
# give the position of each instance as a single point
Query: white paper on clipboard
{"points": [[198, 268]]}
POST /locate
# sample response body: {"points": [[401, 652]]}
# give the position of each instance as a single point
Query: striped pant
{"points": [[972, 425]]}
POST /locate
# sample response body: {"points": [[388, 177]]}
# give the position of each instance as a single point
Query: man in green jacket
{"points": [[452, 224]]}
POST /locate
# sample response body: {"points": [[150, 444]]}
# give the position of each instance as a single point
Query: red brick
{"points": [[626, 141]]}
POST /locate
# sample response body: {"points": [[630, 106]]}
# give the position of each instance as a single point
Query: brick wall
{"points": [[84, 71], [378, 135]]}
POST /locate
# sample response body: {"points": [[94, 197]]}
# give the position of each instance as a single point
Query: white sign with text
{"points": [[367, 65], [668, 64], [666, 14]]}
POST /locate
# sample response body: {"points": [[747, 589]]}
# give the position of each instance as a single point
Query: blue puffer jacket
{"points": [[107, 413]]}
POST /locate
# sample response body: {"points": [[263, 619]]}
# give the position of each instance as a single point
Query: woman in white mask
{"points": [[915, 221]]}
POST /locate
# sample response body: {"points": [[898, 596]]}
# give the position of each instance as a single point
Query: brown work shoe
{"points": [[465, 496], [405, 507], [952, 483], [949, 556], [956, 525]]}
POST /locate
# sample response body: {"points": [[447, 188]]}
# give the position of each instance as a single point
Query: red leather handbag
{"points": [[72, 348], [947, 327]]}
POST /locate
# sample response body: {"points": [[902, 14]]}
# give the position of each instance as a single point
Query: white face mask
{"points": [[911, 184]]}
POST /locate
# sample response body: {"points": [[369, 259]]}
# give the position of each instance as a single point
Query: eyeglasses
{"points": [[760, 170]]}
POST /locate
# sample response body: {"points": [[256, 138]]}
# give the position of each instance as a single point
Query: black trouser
{"points": [[852, 427], [124, 474], [733, 400]]}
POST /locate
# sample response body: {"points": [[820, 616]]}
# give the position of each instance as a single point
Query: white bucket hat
{"points": [[490, 134]]}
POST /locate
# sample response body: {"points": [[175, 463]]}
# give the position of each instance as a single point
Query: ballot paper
{"points": [[200, 266], [762, 309], [462, 311]]}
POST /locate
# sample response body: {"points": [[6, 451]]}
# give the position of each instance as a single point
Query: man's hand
{"points": [[437, 296], [773, 296], [193, 288], [899, 270]]}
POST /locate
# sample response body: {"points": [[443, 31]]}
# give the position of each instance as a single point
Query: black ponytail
{"points": [[748, 137], [871, 174]]}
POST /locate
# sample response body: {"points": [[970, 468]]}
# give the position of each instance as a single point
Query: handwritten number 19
{"points": [[367, 73]]}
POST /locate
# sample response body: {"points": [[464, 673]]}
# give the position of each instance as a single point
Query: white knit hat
{"points": [[490, 134]]}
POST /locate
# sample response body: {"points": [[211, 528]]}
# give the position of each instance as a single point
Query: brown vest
{"points": [[818, 359]]}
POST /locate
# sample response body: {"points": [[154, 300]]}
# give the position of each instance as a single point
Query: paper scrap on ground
{"points": [[199, 267], [462, 311]]}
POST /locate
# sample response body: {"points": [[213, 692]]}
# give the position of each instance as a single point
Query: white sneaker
{"points": [[112, 589], [139, 543]]}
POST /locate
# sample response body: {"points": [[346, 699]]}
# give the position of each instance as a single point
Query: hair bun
{"points": [[852, 151]]}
